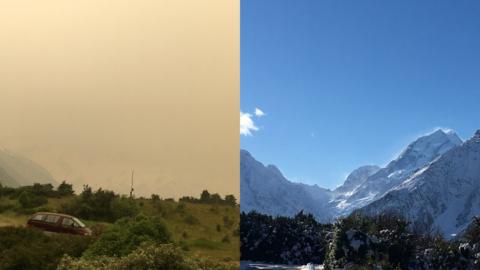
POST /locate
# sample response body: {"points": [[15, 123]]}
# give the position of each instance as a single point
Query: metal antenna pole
{"points": [[131, 187]]}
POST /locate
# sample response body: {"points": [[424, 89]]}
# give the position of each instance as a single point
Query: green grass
{"points": [[200, 237]]}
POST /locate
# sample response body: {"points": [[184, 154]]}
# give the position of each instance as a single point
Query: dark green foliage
{"points": [[148, 256], [26, 249], [381, 238], [44, 190], [215, 198], [28, 199], [389, 241], [155, 198], [297, 240], [127, 234], [206, 197], [65, 189], [6, 191], [230, 200], [122, 206], [100, 205]]}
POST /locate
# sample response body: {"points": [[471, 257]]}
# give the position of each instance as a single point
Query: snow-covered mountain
{"points": [[444, 195], [434, 182], [16, 170], [417, 154], [265, 190], [356, 178]]}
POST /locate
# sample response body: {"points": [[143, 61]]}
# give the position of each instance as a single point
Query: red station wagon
{"points": [[58, 223]]}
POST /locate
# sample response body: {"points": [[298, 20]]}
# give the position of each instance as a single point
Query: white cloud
{"points": [[259, 113], [247, 126]]}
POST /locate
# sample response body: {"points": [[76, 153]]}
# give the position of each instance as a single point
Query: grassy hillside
{"points": [[208, 230]]}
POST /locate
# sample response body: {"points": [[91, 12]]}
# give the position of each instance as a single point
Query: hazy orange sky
{"points": [[91, 89]]}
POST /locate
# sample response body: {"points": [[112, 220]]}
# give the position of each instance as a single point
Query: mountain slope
{"points": [[16, 170], [417, 154], [356, 178], [264, 189], [444, 195]]}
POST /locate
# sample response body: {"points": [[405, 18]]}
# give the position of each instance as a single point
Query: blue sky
{"points": [[349, 83]]}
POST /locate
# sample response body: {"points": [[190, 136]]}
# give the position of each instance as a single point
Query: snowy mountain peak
{"points": [[433, 144], [434, 182], [416, 155], [443, 195], [356, 178], [266, 190]]}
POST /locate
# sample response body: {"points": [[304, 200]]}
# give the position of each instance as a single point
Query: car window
{"points": [[67, 222], [38, 217], [52, 219], [78, 223]]}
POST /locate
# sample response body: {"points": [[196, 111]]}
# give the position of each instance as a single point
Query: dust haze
{"points": [[92, 89]]}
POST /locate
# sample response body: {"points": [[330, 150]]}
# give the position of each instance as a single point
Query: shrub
{"points": [[31, 249], [43, 190], [206, 197], [147, 256], [123, 207], [285, 240], [155, 198], [230, 200], [102, 205], [127, 234], [28, 199], [65, 189]]}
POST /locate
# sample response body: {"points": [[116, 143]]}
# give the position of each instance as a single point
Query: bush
{"points": [[147, 256], [155, 198], [127, 234], [123, 207], [43, 190], [284, 240], [365, 241], [230, 200], [206, 197], [6, 191], [101, 205], [65, 189], [28, 199], [31, 249]]}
